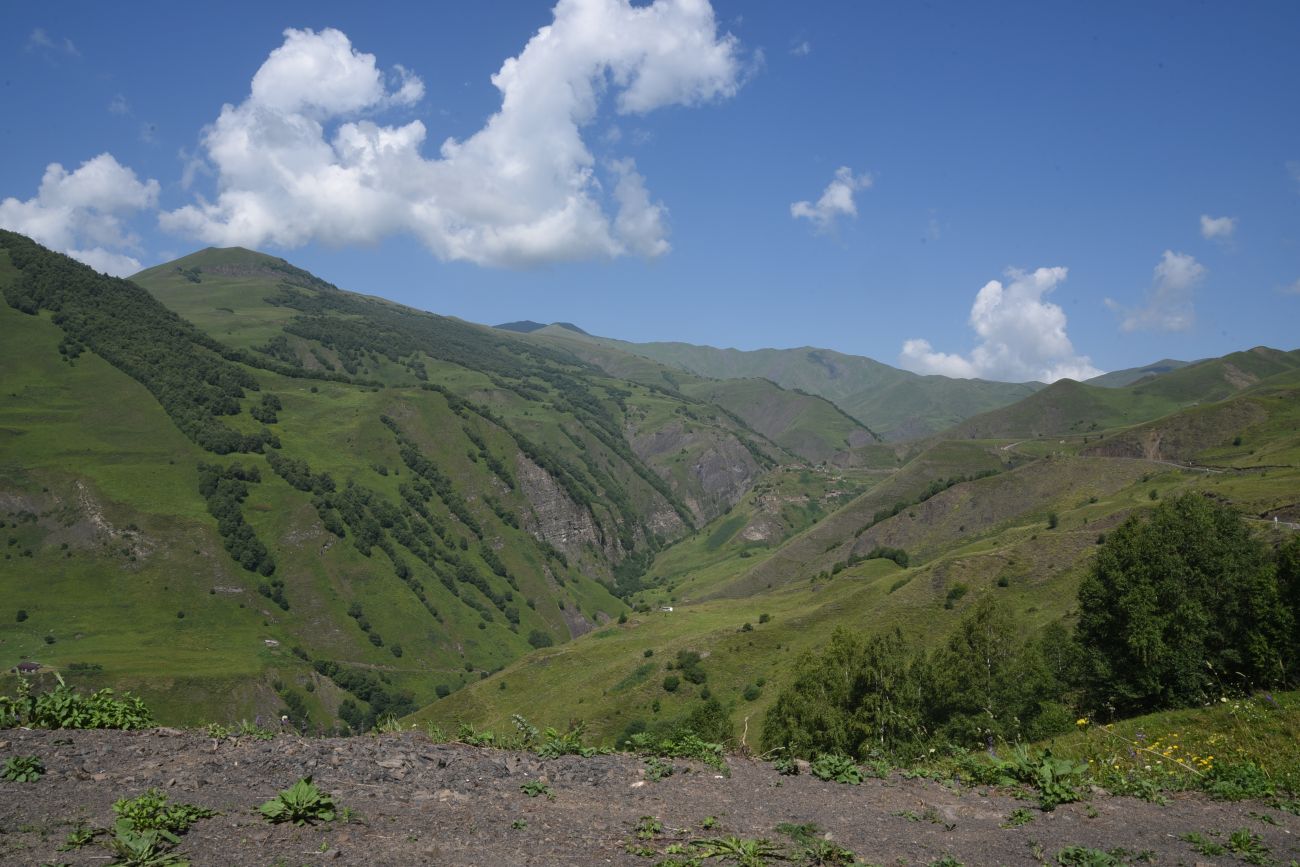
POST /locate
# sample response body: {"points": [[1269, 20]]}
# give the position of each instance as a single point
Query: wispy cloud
{"points": [[801, 49], [1169, 305], [40, 40], [1218, 228]]}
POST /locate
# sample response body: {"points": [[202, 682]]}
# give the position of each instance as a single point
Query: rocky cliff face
{"points": [[557, 519], [709, 469]]}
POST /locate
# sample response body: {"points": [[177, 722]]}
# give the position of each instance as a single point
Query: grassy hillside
{"points": [[241, 490], [1130, 375], [894, 403], [314, 499], [1021, 526], [807, 426], [1068, 408]]}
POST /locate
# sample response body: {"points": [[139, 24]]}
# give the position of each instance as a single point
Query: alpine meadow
{"points": [[678, 574]]}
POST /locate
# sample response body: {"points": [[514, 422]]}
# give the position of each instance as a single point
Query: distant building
{"points": [[27, 667]]}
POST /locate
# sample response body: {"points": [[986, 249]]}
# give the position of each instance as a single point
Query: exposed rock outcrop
{"points": [[555, 518]]}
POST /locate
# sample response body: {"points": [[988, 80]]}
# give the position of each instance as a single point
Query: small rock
{"points": [[168, 732]]}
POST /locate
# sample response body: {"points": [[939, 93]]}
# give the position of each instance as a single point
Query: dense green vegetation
{"points": [[1181, 606], [183, 368]]}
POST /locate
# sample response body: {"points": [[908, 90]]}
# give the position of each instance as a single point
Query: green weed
{"points": [[23, 769], [302, 803], [1019, 816], [1247, 845], [80, 838], [745, 853], [150, 811], [1082, 856], [1202, 844], [836, 768], [65, 708], [533, 788], [143, 848], [648, 827], [656, 769]]}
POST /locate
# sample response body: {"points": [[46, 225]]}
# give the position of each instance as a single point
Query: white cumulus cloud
{"points": [[303, 158], [79, 213], [836, 200], [1217, 228], [1169, 305], [1022, 337]]}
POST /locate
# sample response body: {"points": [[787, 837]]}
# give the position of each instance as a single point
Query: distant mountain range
{"points": [[896, 404]]}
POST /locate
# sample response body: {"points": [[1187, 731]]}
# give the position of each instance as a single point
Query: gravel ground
{"points": [[415, 802]]}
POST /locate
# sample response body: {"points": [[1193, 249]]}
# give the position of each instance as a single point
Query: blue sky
{"points": [[1014, 191]]}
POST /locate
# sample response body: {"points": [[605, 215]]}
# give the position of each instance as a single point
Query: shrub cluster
{"points": [[225, 489], [1181, 605]]}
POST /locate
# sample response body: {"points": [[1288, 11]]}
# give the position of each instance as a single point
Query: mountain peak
{"points": [[239, 262], [528, 326]]}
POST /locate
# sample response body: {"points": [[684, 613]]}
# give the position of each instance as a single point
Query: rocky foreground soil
{"points": [[415, 802]]}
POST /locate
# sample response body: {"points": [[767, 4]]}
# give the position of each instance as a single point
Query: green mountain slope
{"points": [[1068, 408], [241, 490], [319, 501], [894, 403], [1130, 375], [809, 427], [1015, 520]]}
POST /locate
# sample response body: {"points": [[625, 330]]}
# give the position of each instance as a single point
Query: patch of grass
{"points": [[1017, 817], [1247, 845], [1237, 748], [1203, 845]]}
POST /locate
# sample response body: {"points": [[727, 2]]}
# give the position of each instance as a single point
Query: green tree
{"points": [[1288, 585], [1180, 603], [988, 682], [856, 697]]}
